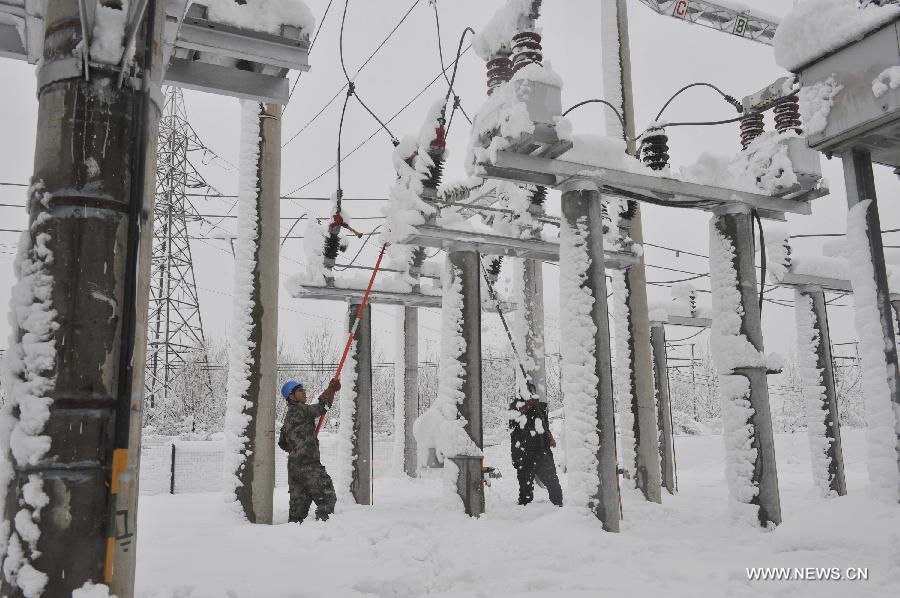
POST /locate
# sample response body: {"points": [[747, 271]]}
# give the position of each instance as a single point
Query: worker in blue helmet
{"points": [[531, 444], [308, 481]]}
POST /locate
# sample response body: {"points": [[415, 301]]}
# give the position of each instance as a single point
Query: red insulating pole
{"points": [[352, 333]]}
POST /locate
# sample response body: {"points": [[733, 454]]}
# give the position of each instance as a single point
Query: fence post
{"points": [[172, 471]]}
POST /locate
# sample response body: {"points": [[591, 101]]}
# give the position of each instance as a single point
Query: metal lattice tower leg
{"points": [[175, 338]]}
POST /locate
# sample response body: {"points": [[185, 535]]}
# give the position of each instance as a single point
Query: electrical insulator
{"points": [[787, 115], [654, 150], [493, 271], [499, 71], [604, 217], [752, 126], [526, 50], [436, 152], [538, 197]]}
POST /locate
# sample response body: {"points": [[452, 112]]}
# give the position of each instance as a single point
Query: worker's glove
{"points": [[529, 405], [551, 440], [334, 385]]}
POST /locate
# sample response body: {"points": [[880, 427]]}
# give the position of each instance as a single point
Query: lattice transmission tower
{"points": [[175, 341]]}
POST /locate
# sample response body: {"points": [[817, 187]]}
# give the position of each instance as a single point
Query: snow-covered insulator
{"points": [[655, 148], [499, 71], [526, 50], [436, 152], [538, 197], [493, 271], [752, 126], [629, 210], [604, 217], [787, 115]]}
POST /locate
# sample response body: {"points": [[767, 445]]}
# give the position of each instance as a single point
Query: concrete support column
{"points": [[408, 391], [664, 408], [736, 229], [466, 262], [362, 473], [812, 316], [258, 474], [860, 182], [587, 365], [533, 317], [75, 364]]}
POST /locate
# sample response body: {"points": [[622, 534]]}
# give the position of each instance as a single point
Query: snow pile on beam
{"points": [[731, 349], [622, 372], [765, 164], [346, 455], [261, 15], [816, 102], [240, 347], [816, 27], [496, 36], [109, 33], [578, 366], [887, 80], [405, 209], [808, 340], [882, 414], [28, 379], [90, 590], [441, 427]]}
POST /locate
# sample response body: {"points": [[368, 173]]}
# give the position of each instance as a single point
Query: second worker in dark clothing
{"points": [[530, 443], [308, 481]]}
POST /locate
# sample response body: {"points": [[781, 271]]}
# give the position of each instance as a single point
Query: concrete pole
{"points": [[581, 207], [895, 303], [361, 482], [533, 317], [664, 408], [470, 485], [85, 323], [410, 388], [737, 228], [647, 468], [834, 455], [258, 474], [860, 182]]}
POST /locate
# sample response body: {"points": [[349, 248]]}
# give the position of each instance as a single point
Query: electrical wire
{"points": [[355, 257], [351, 90], [728, 98], [358, 71], [598, 101], [311, 46], [450, 91]]}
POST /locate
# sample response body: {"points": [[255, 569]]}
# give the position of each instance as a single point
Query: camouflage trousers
{"points": [[308, 483]]}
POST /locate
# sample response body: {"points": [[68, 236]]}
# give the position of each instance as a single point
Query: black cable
{"points": [[340, 191], [762, 259], [350, 86], [728, 98], [368, 235], [358, 71], [311, 45], [687, 338], [598, 101], [680, 280], [450, 90]]}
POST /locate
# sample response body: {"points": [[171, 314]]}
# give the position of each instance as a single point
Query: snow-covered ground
{"points": [[191, 547]]}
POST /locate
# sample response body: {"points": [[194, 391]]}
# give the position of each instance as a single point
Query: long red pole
{"points": [[352, 333]]}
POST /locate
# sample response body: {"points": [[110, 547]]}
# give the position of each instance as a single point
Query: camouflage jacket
{"points": [[298, 434]]}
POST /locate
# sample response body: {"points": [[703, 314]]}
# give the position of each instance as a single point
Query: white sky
{"points": [[666, 54]]}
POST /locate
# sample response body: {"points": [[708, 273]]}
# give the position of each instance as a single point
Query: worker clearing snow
{"points": [[531, 442], [308, 481]]}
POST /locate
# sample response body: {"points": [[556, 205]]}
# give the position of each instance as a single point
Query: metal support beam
{"points": [[640, 363], [860, 182], [361, 482], [467, 263], [830, 465], [737, 229], [407, 390], [70, 505], [258, 474], [664, 409], [582, 238]]}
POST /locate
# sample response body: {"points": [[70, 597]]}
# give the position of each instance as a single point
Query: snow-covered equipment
{"points": [[851, 53], [725, 17], [239, 49]]}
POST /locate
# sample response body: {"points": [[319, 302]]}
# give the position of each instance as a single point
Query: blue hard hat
{"points": [[289, 387]]}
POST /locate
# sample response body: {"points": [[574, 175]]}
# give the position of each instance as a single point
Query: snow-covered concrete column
{"points": [[406, 390], [664, 407], [355, 428], [616, 60], [528, 290], [819, 393], [73, 371], [252, 368], [874, 326], [737, 347], [586, 358]]}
